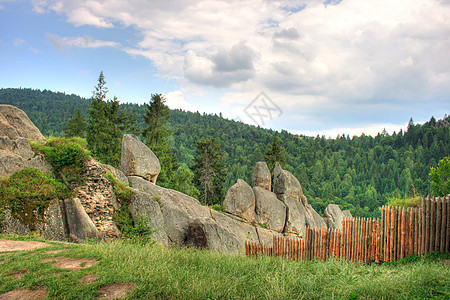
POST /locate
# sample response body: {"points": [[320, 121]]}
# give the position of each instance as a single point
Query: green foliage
{"points": [[184, 182], [140, 232], [209, 171], [440, 177], [380, 166], [76, 126], [218, 207], [274, 153], [106, 125], [66, 155], [122, 191], [28, 193], [180, 273], [405, 201]]}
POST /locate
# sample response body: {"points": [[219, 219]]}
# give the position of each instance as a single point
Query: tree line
{"points": [[358, 173]]}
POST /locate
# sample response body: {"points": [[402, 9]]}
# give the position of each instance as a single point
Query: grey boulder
{"points": [[240, 201], [15, 123], [334, 216], [269, 210], [138, 160], [261, 176]]}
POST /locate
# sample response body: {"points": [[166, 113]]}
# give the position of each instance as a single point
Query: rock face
{"points": [[269, 210], [143, 205], [17, 154], [334, 216], [261, 176], [300, 214], [240, 201], [138, 160], [15, 123], [79, 224], [119, 175]]}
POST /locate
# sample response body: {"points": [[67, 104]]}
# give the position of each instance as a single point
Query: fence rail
{"points": [[399, 233]]}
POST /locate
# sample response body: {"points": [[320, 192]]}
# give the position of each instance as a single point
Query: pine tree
{"points": [[76, 126], [209, 171], [106, 125], [156, 115], [274, 153]]}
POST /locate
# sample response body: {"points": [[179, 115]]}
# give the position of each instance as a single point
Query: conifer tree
{"points": [[274, 153], [209, 171], [156, 115], [76, 126], [106, 125]]}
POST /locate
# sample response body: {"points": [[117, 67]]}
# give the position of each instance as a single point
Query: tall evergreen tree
{"points": [[209, 171], [76, 126], [156, 115], [106, 125], [274, 153]]}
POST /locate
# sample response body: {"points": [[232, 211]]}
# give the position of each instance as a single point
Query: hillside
{"points": [[357, 173]]}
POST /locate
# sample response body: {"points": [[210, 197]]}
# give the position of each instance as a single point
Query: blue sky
{"points": [[325, 67]]}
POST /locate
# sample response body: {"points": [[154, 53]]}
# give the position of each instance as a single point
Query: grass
{"points": [[178, 273]]}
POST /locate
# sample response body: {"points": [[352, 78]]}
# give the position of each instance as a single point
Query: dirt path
{"points": [[7, 246]]}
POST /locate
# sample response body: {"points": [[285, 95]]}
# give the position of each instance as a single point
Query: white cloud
{"points": [[372, 130], [175, 100], [19, 42], [355, 58], [79, 42]]}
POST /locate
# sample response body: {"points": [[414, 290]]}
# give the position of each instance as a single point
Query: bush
{"points": [[405, 202], [28, 193], [66, 155]]}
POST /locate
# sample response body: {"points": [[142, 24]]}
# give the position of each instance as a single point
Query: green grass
{"points": [[176, 273]]}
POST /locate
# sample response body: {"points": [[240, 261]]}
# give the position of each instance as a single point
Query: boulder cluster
{"points": [[254, 214], [284, 208]]}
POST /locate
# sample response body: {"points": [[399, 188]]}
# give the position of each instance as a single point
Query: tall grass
{"points": [[178, 273]]}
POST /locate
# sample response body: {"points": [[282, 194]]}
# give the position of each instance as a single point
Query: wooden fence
{"points": [[399, 233]]}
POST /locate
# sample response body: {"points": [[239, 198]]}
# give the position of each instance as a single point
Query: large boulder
{"points": [[17, 154], [299, 213], [138, 160], [79, 224], [15, 123], [143, 205], [269, 210], [240, 201], [333, 216], [177, 208], [118, 174], [261, 176]]}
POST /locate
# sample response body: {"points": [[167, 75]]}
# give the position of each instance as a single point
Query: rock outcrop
{"points": [[138, 160], [269, 210], [14, 123], [261, 176], [334, 216], [240, 201]]}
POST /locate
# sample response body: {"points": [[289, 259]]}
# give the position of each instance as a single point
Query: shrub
{"points": [[405, 202], [66, 155], [28, 193]]}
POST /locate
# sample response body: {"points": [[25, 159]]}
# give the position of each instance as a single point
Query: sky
{"points": [[309, 67]]}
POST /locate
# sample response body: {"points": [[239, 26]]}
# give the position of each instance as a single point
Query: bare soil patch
{"points": [[55, 251], [7, 245], [25, 294], [88, 279], [19, 274], [116, 290], [71, 263]]}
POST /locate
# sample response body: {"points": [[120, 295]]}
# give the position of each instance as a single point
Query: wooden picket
{"points": [[399, 233]]}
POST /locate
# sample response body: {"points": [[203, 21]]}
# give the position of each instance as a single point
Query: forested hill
{"points": [[357, 173]]}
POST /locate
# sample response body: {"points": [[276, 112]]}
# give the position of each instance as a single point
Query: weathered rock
{"points": [[347, 214], [55, 227], [204, 232], [269, 210], [15, 123], [118, 174], [261, 176], [177, 208], [333, 216], [144, 205], [138, 160], [313, 219], [240, 201], [11, 225], [17, 154], [299, 213], [79, 225]]}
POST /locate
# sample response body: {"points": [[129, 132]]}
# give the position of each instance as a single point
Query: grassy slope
{"points": [[193, 274]]}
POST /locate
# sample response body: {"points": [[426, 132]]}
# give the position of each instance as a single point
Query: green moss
{"points": [[405, 202], [28, 193], [66, 155]]}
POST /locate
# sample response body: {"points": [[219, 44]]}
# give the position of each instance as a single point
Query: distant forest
{"points": [[358, 173]]}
